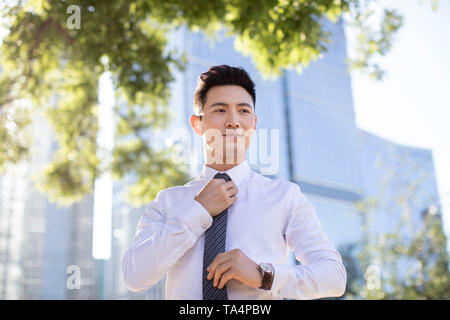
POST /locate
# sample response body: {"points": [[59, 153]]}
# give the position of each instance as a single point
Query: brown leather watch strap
{"points": [[267, 279]]}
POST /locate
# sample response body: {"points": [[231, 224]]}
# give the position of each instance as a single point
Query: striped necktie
{"points": [[215, 238]]}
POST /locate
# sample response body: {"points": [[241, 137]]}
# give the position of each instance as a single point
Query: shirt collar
{"points": [[237, 173]]}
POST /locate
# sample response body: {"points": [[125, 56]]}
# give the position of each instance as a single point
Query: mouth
{"points": [[229, 133]]}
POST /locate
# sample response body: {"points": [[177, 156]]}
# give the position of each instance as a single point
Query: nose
{"points": [[232, 120]]}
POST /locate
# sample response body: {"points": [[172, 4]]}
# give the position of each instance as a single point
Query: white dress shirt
{"points": [[269, 218]]}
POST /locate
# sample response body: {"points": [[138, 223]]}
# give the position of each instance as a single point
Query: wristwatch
{"points": [[268, 273]]}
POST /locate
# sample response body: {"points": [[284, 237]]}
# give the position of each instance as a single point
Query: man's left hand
{"points": [[234, 264]]}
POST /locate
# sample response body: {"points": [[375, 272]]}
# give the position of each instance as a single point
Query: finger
{"points": [[220, 270], [232, 192], [219, 259], [224, 187], [225, 277], [222, 181], [219, 182], [232, 200], [230, 184]]}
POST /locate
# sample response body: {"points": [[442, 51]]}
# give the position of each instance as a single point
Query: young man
{"points": [[227, 234]]}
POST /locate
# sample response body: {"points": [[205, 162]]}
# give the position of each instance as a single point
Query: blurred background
{"points": [[95, 100]]}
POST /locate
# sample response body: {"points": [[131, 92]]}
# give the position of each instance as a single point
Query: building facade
{"points": [[45, 250]]}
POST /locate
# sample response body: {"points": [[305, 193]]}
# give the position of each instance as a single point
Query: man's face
{"points": [[228, 123]]}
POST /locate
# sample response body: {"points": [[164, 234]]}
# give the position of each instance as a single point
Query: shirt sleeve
{"points": [[321, 273], [167, 229]]}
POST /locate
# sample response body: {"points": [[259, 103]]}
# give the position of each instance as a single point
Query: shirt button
{"points": [[204, 226]]}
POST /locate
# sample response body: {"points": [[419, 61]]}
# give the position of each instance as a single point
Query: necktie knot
{"points": [[222, 175]]}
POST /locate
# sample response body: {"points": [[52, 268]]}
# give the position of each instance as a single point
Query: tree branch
{"points": [[39, 35]]}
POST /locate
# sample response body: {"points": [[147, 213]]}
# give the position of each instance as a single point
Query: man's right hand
{"points": [[217, 195]]}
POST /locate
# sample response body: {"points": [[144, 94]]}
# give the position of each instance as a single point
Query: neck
{"points": [[211, 160], [225, 164], [221, 167]]}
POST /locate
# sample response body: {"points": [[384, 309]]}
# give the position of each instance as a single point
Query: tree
{"points": [[355, 274], [428, 275], [403, 254], [55, 51]]}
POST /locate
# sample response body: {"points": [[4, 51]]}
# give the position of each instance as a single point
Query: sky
{"points": [[411, 105]]}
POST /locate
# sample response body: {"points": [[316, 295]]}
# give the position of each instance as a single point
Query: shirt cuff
{"points": [[195, 217], [285, 281]]}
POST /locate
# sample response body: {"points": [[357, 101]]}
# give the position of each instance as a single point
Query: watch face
{"points": [[266, 267]]}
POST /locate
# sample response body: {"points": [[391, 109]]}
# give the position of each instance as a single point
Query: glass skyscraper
{"points": [[400, 184]]}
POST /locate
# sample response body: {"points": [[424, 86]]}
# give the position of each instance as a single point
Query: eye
{"points": [[218, 110], [245, 110]]}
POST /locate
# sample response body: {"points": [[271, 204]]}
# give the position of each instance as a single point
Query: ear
{"points": [[197, 124], [256, 120]]}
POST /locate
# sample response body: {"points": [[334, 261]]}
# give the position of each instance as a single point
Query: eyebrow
{"points": [[223, 104]]}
